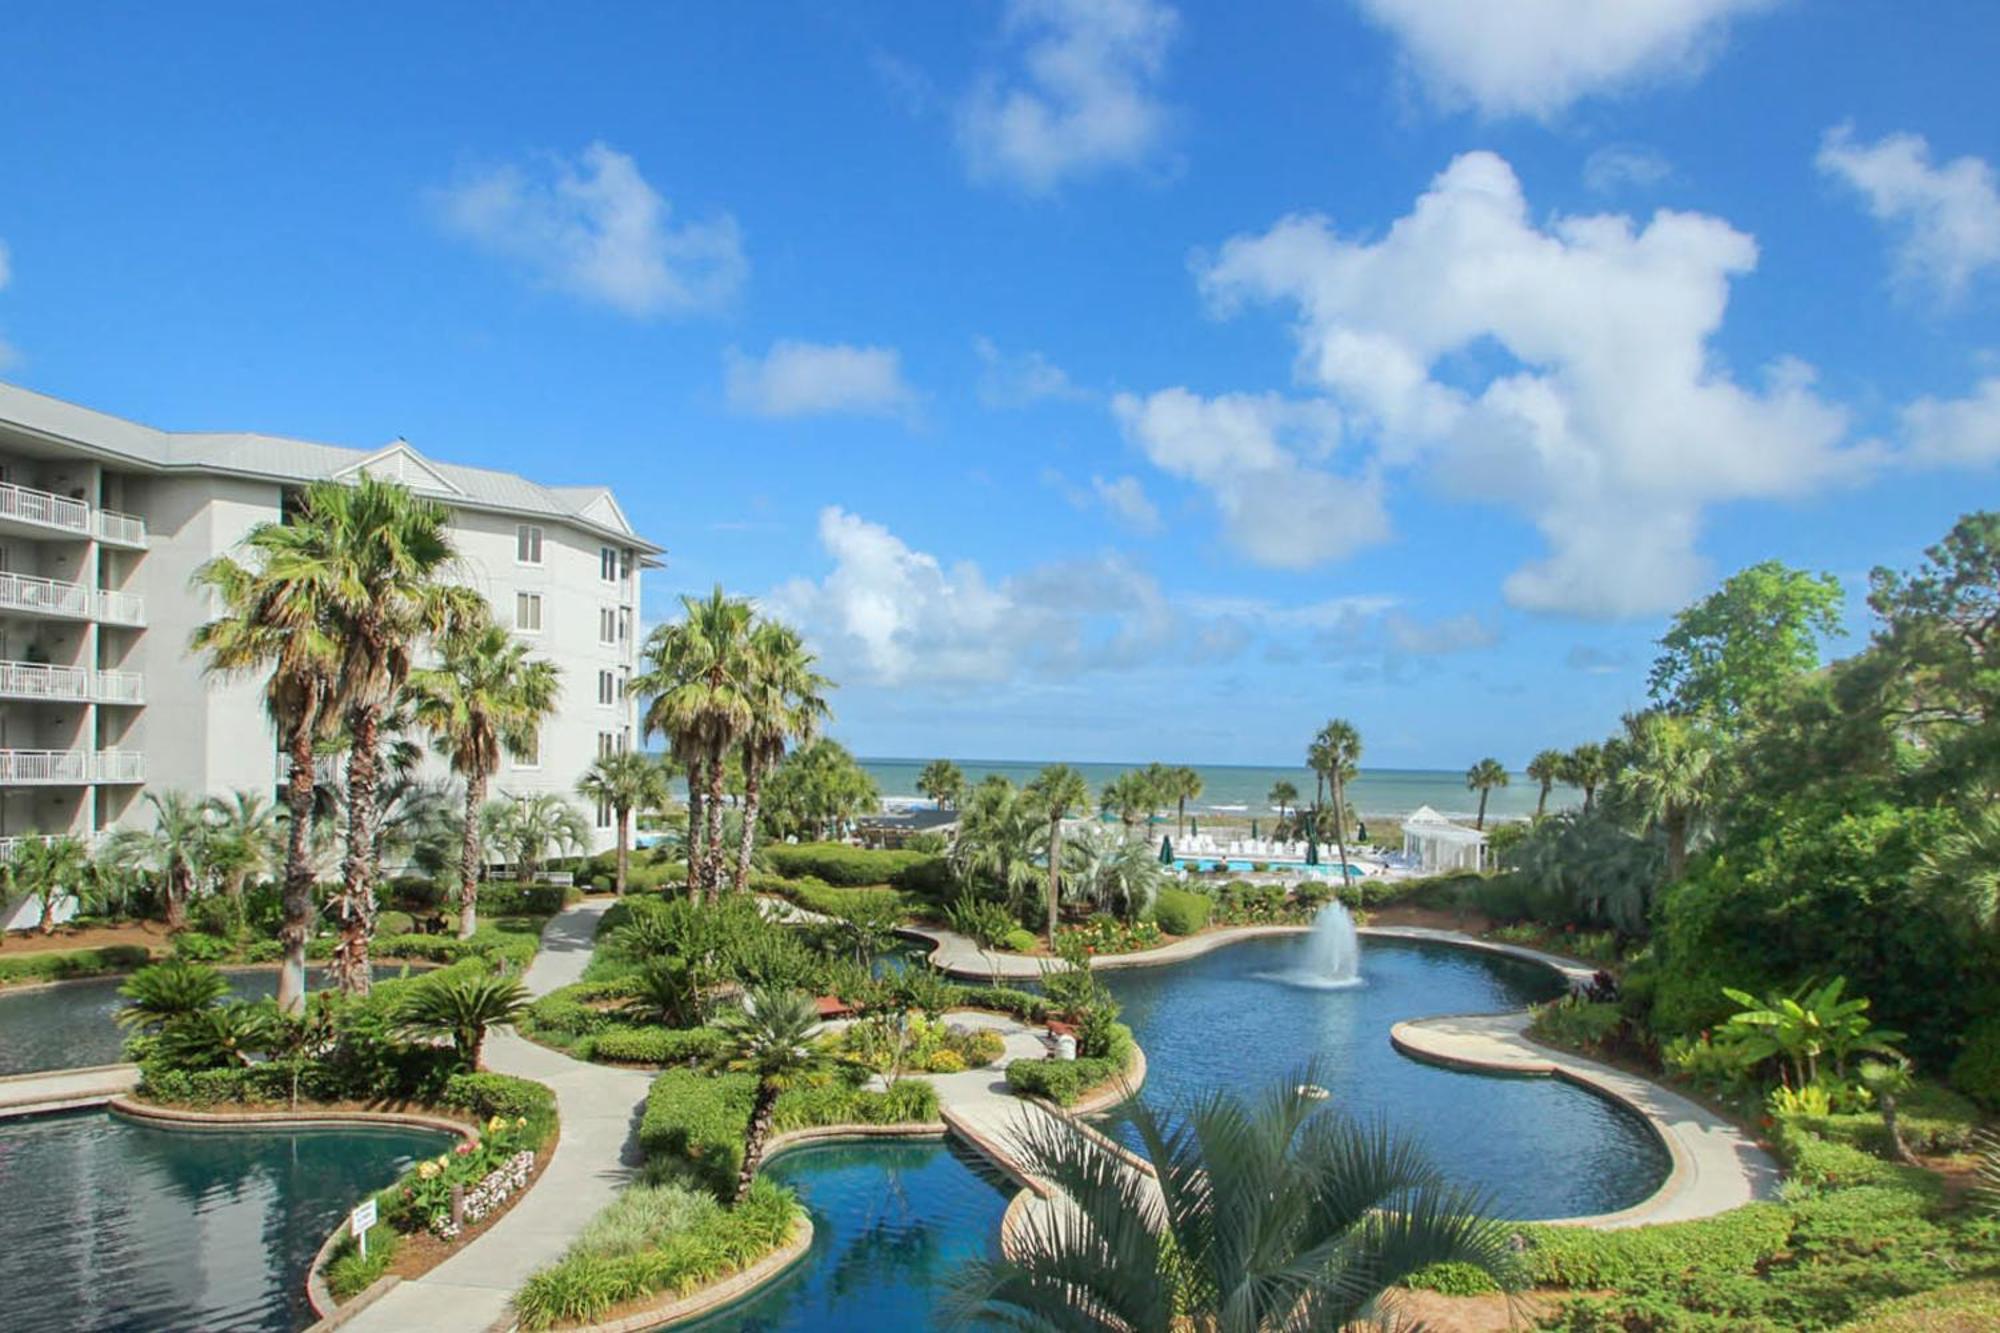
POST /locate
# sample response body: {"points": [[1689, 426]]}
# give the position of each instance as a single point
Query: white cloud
{"points": [[1126, 497], [801, 379], [1022, 379], [1260, 458], [594, 227], [1582, 392], [1617, 167], [1436, 638], [1536, 57], [1962, 432], [1085, 97], [887, 614], [1949, 215]]}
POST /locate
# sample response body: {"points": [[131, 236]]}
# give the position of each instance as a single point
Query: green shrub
{"points": [[1976, 1071], [200, 947], [348, 1274], [837, 863], [483, 1096], [1575, 1023], [1022, 1004], [1452, 1279], [1628, 1259], [1018, 940], [507, 898], [657, 1045], [71, 964], [512, 941], [1181, 911], [1061, 1081]]}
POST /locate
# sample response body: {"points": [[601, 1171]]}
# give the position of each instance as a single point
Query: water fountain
{"points": [[1333, 951]]}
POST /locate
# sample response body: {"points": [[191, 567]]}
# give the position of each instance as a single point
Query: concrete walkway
{"points": [[64, 1089], [595, 1156], [1715, 1167]]}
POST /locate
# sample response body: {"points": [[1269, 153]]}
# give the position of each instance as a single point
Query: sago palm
{"points": [[774, 1037], [1483, 777], [162, 993], [1058, 792], [787, 701], [464, 1010], [486, 697], [625, 781], [1268, 1214]]}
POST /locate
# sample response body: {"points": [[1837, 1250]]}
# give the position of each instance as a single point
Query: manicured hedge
{"points": [[1181, 911], [73, 963], [506, 898], [657, 1045], [839, 864], [482, 1096], [1022, 1004], [511, 941], [1061, 1081]]}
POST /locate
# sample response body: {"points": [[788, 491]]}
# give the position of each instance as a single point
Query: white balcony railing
{"points": [[38, 680], [43, 508], [120, 687], [69, 768], [123, 608], [124, 529], [14, 842], [25, 592]]}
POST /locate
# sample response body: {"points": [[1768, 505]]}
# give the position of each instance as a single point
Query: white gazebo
{"points": [[1435, 845]]}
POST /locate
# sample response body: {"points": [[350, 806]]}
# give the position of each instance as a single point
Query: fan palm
{"points": [[943, 782], [1283, 795], [1113, 874], [1483, 777], [174, 851], [1585, 767], [697, 681], [1268, 1214], [1058, 792], [1336, 755], [1185, 784], [47, 870], [527, 826], [1131, 797], [773, 1036], [463, 1010], [1669, 774], [996, 841], [625, 781], [245, 838], [1545, 768], [485, 697], [787, 703]]}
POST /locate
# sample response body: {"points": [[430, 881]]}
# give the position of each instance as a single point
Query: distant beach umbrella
{"points": [[1194, 826], [1166, 851], [1253, 828], [1360, 832]]}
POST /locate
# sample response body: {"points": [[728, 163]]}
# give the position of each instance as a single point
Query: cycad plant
{"points": [[774, 1036], [463, 1010], [1270, 1213], [164, 992], [226, 1036]]}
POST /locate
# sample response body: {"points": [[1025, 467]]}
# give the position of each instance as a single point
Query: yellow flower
{"points": [[428, 1171], [498, 1122], [521, 1122]]}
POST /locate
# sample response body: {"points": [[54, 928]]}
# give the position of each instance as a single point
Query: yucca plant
{"points": [[1272, 1213], [158, 995], [464, 1010]]}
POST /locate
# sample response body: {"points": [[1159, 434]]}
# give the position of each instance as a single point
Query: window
{"points": [[607, 563], [625, 565], [607, 625], [624, 624], [530, 754], [604, 813], [528, 544], [607, 688], [528, 612], [607, 744]]}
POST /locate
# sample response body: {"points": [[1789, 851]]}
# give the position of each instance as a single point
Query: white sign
{"points": [[358, 1222]]}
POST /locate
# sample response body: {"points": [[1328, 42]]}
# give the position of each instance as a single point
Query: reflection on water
{"points": [[107, 1223], [891, 1223]]}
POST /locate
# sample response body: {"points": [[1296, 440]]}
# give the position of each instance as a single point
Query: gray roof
{"points": [[22, 411]]}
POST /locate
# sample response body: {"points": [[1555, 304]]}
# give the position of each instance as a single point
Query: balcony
{"points": [[24, 510], [12, 844], [121, 529], [37, 680], [70, 768], [27, 594], [118, 687]]}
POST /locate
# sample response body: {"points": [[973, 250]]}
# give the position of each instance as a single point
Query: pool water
{"points": [[70, 1026], [107, 1223], [1245, 864], [892, 1221], [1240, 1019]]}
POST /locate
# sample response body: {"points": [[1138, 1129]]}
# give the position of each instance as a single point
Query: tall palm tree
{"points": [[943, 782], [527, 826], [1337, 748], [1058, 791], [245, 838], [174, 850], [787, 703], [486, 696], [1483, 777], [1670, 771], [1269, 1214], [1587, 768], [773, 1036], [46, 870], [272, 621], [697, 679], [1283, 795], [625, 781], [1545, 768], [1185, 784], [1130, 796]]}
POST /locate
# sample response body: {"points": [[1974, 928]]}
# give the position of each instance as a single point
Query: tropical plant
{"points": [[943, 782], [667, 990], [1668, 779], [773, 1036], [224, 1036], [697, 683], [245, 839], [1962, 872], [1798, 1029], [174, 851], [1335, 756], [1271, 1214], [1483, 777], [1888, 1081], [997, 835], [624, 781], [525, 827], [1132, 796], [1058, 792], [463, 1009], [1113, 874], [49, 869], [1284, 794], [1585, 768], [787, 704], [816, 791], [162, 993], [1546, 770], [485, 697], [870, 927], [1184, 785]]}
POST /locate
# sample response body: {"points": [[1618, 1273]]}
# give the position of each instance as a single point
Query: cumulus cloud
{"points": [[1948, 216], [1126, 497], [888, 614], [1582, 389], [802, 379], [1536, 57], [1021, 379], [595, 228], [1262, 459], [1961, 432], [1083, 97], [1617, 167]]}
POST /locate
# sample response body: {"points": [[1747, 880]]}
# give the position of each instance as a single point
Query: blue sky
{"points": [[1104, 379]]}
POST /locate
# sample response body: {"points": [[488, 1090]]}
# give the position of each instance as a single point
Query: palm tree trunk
{"points": [[753, 795], [298, 895], [1055, 882], [624, 814], [470, 855], [1180, 817], [712, 826], [1480, 822], [1894, 1125], [1542, 801], [1340, 827], [755, 1137], [694, 779], [357, 895], [1589, 795], [1677, 846], [48, 909], [175, 884]]}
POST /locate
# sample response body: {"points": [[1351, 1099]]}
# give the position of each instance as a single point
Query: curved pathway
{"points": [[596, 1155]]}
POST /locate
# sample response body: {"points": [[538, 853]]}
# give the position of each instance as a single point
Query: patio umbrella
{"points": [[1166, 851], [1360, 832], [1253, 828], [1312, 838], [1194, 826]]}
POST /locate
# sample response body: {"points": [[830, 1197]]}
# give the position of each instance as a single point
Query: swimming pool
{"points": [[1207, 865]]}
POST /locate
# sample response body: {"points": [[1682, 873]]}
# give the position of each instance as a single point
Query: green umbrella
{"points": [[1312, 838], [1194, 825], [1166, 851], [1253, 828]]}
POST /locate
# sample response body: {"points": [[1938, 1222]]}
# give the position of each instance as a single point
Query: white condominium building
{"points": [[103, 522]]}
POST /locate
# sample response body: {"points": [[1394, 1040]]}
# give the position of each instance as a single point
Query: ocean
{"points": [[1243, 791]]}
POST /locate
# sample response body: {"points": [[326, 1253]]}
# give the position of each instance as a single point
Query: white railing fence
{"points": [[33, 506]]}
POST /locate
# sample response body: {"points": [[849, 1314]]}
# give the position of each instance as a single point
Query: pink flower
{"points": [[464, 1149]]}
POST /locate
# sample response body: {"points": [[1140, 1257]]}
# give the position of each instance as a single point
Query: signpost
{"points": [[358, 1222]]}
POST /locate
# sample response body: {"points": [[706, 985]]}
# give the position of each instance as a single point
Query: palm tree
{"points": [[996, 841], [1113, 873], [526, 826], [1585, 767], [943, 782], [1483, 777], [1668, 778], [46, 870], [773, 1036], [1337, 752], [787, 703], [244, 839], [1268, 1214], [174, 850], [1185, 785], [463, 1010], [1547, 769], [1132, 796], [1283, 795], [486, 696], [1058, 791], [697, 678], [273, 621], [624, 781]]}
